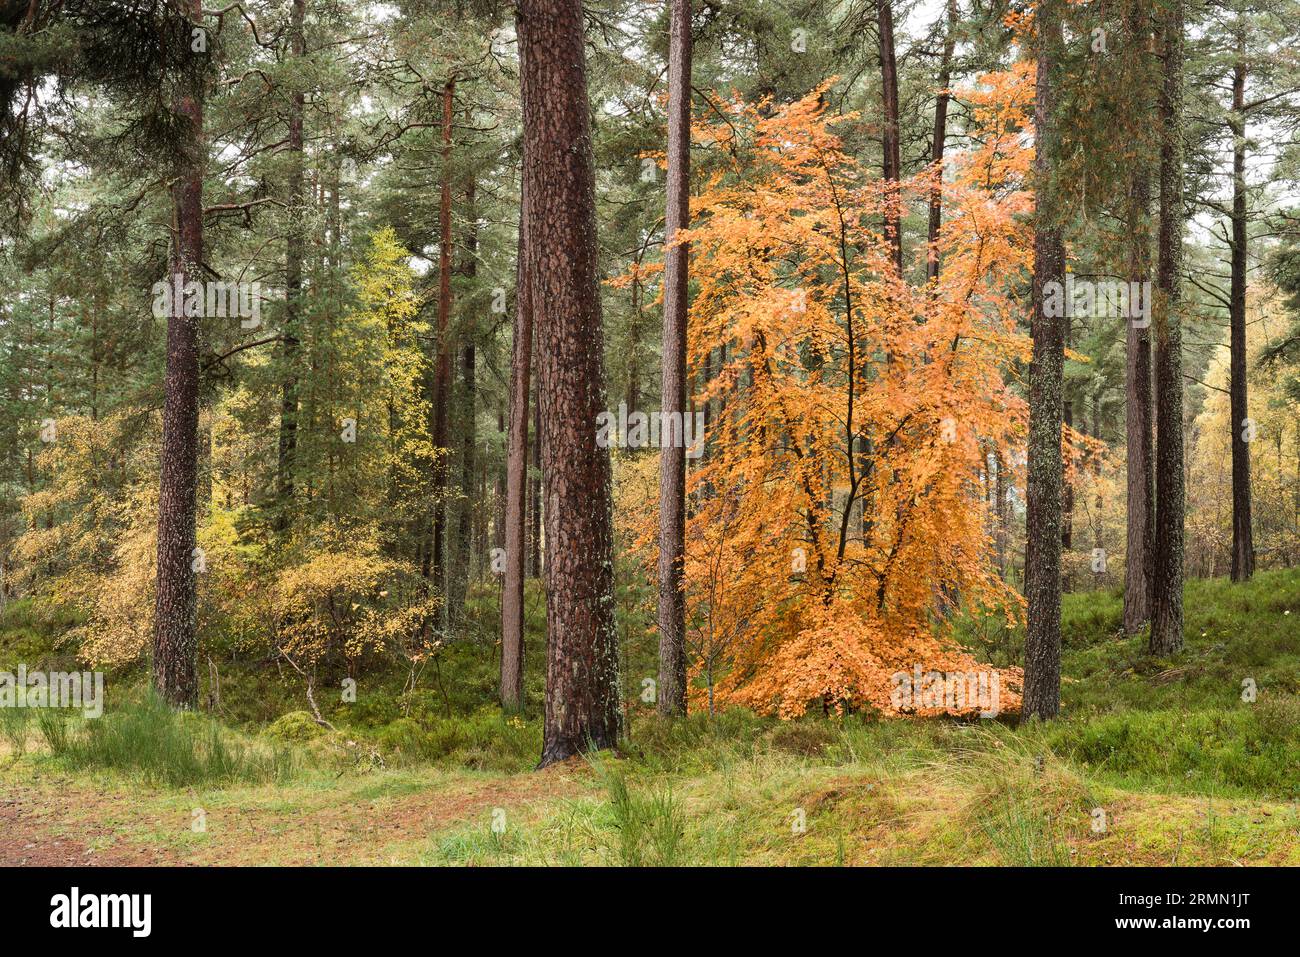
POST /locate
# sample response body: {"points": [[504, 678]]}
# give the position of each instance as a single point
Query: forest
{"points": [[650, 432]]}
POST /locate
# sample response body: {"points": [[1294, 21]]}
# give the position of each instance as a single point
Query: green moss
{"points": [[294, 726]]}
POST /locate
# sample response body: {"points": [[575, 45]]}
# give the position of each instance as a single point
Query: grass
{"points": [[14, 729], [148, 741], [1154, 761]]}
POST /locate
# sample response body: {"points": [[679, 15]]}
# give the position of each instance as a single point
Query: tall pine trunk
{"points": [[1042, 687], [1003, 538], [582, 686], [1167, 567], [468, 415], [938, 141], [672, 467], [1139, 414], [175, 641], [889, 104], [1243, 542], [1138, 421], [512, 588], [1067, 483], [293, 258], [442, 365]]}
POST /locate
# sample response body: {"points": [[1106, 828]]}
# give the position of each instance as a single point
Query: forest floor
{"points": [[1152, 763]]}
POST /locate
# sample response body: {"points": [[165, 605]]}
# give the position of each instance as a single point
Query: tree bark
{"points": [[293, 258], [582, 683], [499, 491], [1067, 483], [1243, 542], [1167, 567], [1138, 421], [672, 457], [535, 487], [1003, 531], [512, 589], [938, 141], [1042, 688], [469, 410], [175, 641], [442, 368], [889, 105]]}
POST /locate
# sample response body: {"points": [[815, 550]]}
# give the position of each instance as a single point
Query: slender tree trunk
{"points": [[672, 456], [442, 369], [633, 390], [1099, 503], [1042, 688], [1138, 421], [175, 642], [1243, 542], [293, 258], [582, 683], [1003, 524], [512, 593], [499, 493], [1067, 485], [889, 104], [1167, 568], [938, 141], [469, 411]]}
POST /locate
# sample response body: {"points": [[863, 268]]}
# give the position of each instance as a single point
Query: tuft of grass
{"points": [[14, 726], [146, 738], [1024, 835], [1022, 799], [628, 821], [54, 728], [649, 828]]}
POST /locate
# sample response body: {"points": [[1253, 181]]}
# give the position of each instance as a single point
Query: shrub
{"points": [[808, 738], [294, 726]]}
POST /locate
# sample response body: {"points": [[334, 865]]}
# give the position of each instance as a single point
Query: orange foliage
{"points": [[836, 517]]}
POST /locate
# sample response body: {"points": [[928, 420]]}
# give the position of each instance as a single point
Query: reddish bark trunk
{"points": [[1042, 686], [1167, 567], [442, 373], [512, 591], [582, 698], [672, 474], [175, 640], [889, 104]]}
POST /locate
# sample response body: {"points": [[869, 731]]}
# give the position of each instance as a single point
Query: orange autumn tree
{"points": [[836, 515]]}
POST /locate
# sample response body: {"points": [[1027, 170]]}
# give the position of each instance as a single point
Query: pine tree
{"points": [[1042, 690], [1167, 593], [672, 480], [582, 696]]}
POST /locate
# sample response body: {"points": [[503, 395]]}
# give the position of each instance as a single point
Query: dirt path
{"points": [[344, 830], [67, 825], [24, 842]]}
